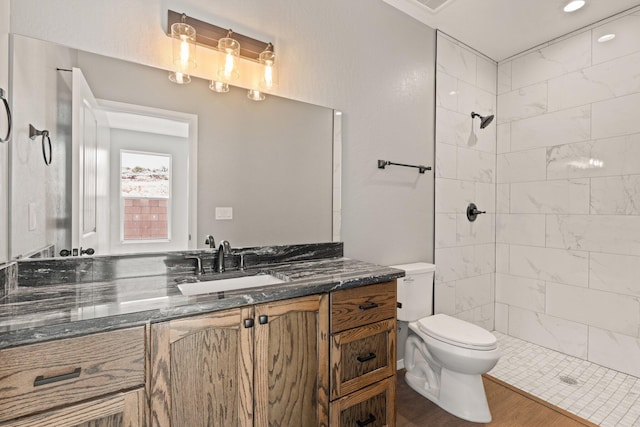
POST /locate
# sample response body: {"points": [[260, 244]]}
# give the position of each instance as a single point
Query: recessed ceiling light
{"points": [[574, 5], [606, 38]]}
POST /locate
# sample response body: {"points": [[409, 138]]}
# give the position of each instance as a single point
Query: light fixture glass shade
{"points": [[184, 52], [231, 50], [267, 59], [220, 87], [255, 95], [179, 78]]}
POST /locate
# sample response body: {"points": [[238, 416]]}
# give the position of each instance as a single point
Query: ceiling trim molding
{"points": [[415, 10], [464, 46]]}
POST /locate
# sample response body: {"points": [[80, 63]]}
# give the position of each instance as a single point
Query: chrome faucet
{"points": [[210, 241], [199, 267], [223, 249]]}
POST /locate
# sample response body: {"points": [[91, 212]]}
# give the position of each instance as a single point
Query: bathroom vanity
{"points": [[363, 355], [316, 349]]}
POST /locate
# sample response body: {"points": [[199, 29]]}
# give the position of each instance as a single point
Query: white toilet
{"points": [[447, 356]]}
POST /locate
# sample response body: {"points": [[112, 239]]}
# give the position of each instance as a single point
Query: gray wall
{"points": [[360, 56]]}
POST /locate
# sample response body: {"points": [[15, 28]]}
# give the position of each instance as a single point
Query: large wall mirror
{"points": [[131, 162]]}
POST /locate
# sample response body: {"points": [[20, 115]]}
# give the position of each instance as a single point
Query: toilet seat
{"points": [[457, 332]]}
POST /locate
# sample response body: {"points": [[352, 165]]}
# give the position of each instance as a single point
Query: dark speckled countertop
{"points": [[44, 312]]}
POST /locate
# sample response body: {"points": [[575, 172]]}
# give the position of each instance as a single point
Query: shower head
{"points": [[484, 121]]}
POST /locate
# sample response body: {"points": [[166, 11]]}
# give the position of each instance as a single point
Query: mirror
{"points": [[180, 161]]}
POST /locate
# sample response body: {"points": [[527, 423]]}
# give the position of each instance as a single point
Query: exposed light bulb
{"points": [[184, 53], [268, 75], [229, 65]]}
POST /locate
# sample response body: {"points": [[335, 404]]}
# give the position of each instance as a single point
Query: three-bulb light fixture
{"points": [[186, 32]]}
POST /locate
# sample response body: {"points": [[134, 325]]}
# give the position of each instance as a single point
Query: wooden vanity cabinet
{"points": [[371, 406], [120, 410], [45, 377], [363, 356], [263, 365]]}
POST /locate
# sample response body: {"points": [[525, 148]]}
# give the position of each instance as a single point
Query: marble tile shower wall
{"points": [[568, 196], [465, 172]]}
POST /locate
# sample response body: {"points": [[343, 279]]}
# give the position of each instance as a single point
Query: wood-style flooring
{"points": [[510, 407]]}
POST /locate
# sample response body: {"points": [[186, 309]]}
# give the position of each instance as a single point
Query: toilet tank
{"points": [[415, 291]]}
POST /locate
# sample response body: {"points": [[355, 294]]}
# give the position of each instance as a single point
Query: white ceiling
{"points": [[502, 28]]}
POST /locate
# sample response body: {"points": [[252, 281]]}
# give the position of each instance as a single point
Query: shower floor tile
{"points": [[603, 396]]}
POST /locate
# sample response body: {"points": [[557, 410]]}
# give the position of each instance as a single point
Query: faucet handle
{"points": [[199, 267], [210, 241], [242, 264]]}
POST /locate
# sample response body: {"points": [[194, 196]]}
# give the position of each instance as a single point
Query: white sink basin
{"points": [[221, 285]]}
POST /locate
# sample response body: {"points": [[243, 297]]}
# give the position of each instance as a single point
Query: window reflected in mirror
{"points": [[145, 196]]}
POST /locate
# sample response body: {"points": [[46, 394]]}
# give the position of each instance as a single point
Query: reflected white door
{"points": [[90, 169]]}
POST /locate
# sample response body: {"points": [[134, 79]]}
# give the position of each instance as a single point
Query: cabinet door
{"points": [[202, 370], [292, 367], [121, 410]]}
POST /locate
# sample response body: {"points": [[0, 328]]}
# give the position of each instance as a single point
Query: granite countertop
{"points": [[32, 314]]}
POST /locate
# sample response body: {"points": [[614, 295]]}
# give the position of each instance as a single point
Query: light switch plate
{"points": [[224, 213]]}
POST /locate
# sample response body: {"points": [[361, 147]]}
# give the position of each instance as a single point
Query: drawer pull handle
{"points": [[366, 358], [368, 306], [41, 380], [371, 419]]}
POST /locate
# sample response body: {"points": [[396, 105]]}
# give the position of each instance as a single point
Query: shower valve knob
{"points": [[473, 212]]}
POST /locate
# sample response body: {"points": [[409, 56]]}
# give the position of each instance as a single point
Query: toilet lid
{"points": [[457, 332]]}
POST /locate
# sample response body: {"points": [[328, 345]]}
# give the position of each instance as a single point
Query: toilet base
{"points": [[461, 395]]}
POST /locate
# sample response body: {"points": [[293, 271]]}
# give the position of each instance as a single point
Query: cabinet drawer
{"points": [[373, 406], [41, 376], [362, 356], [355, 307], [120, 410]]}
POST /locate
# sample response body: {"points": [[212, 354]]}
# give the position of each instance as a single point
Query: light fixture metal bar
{"points": [[209, 34]]}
